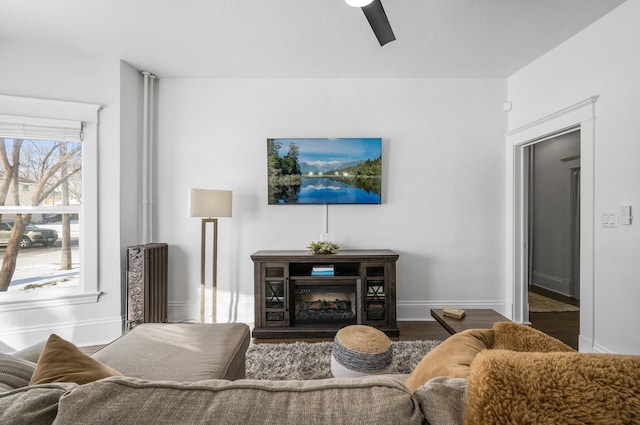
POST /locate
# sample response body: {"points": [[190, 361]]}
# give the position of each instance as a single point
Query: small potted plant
{"points": [[323, 247]]}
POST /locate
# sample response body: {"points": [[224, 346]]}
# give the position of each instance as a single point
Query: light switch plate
{"points": [[625, 214]]}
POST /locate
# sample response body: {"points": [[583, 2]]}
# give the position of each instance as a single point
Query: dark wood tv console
{"points": [[292, 301]]}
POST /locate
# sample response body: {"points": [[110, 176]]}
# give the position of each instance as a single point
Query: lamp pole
{"points": [[214, 274]]}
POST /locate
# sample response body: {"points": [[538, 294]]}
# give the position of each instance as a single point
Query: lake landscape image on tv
{"points": [[324, 171]]}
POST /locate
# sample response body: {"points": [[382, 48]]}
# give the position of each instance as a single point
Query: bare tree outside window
{"points": [[51, 173]]}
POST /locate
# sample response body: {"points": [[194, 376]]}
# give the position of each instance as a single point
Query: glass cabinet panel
{"points": [[375, 296], [274, 291], [275, 294]]}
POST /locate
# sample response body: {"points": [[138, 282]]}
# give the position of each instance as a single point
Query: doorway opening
{"points": [[552, 185], [580, 116]]}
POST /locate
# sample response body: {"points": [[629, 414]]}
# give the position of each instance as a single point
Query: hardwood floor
{"points": [[564, 325], [409, 331], [431, 330], [554, 295]]}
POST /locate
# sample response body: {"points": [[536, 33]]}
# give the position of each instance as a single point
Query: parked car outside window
{"points": [[51, 218], [32, 235]]}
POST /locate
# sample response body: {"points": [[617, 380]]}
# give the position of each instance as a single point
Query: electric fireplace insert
{"points": [[329, 303]]}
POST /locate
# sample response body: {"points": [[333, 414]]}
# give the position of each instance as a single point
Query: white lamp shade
{"points": [[358, 3], [210, 203]]}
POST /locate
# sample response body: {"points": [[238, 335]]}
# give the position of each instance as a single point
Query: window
{"points": [[48, 203]]}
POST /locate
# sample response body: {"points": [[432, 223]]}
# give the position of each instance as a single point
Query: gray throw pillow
{"points": [[32, 352], [442, 400], [14, 372], [32, 405]]}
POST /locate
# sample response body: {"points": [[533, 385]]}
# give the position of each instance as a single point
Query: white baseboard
{"points": [[179, 311], [586, 345], [557, 284], [81, 333], [421, 310], [597, 348]]}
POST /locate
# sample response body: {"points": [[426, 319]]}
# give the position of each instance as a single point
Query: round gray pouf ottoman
{"points": [[360, 350]]}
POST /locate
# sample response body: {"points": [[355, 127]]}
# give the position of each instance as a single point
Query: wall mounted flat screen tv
{"points": [[324, 171]]}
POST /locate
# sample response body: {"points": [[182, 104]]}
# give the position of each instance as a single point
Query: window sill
{"points": [[48, 300]]}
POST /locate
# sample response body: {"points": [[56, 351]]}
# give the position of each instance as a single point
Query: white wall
{"points": [[603, 60], [443, 197], [46, 72]]}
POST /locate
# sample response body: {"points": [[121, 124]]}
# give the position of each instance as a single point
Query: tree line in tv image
{"points": [[324, 171]]}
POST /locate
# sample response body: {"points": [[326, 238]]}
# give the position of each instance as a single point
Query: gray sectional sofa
{"points": [[192, 374], [179, 351]]}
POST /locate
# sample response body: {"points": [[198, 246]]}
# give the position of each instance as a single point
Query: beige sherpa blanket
{"points": [[507, 387]]}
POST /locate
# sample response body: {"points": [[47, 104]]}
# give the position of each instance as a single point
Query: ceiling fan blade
{"points": [[379, 22]]}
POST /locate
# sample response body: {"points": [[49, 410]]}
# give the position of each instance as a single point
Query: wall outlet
{"points": [[609, 219]]}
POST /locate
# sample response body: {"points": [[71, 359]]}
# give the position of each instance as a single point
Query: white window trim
{"points": [[88, 114]]}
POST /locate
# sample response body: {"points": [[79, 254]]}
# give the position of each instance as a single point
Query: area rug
{"points": [[312, 360], [542, 304]]}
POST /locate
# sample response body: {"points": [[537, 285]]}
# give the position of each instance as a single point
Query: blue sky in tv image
{"points": [[325, 171], [329, 153]]}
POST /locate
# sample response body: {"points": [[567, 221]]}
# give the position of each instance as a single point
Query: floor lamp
{"points": [[209, 204]]}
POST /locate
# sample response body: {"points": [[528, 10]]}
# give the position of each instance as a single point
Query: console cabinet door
{"points": [[374, 286], [275, 294]]}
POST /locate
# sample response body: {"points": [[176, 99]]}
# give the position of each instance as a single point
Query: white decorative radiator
{"points": [[147, 276]]}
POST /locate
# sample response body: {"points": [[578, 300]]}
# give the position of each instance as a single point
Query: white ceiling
{"points": [[303, 38]]}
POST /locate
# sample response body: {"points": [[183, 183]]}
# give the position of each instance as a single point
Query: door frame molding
{"points": [[580, 116]]}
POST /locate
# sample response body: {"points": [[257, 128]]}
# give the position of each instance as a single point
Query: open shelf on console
{"points": [[339, 269]]}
